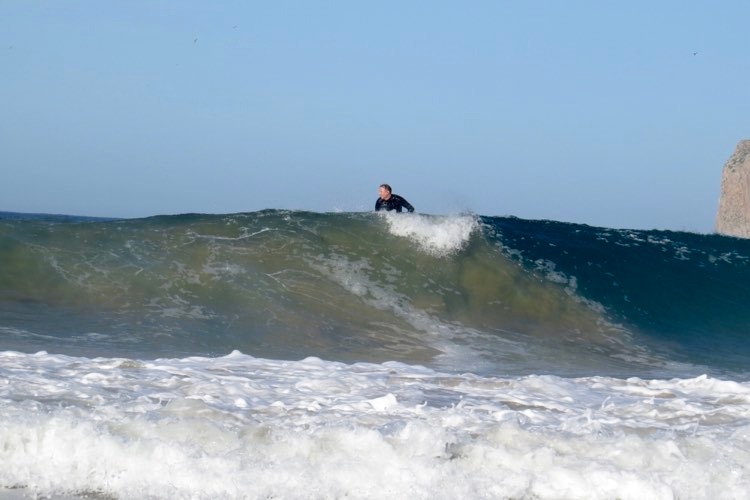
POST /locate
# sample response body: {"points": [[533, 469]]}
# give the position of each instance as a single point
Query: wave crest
{"points": [[437, 235]]}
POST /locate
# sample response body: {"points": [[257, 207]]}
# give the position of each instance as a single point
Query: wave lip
{"points": [[437, 235]]}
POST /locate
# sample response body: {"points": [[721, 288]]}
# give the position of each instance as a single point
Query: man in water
{"points": [[389, 201]]}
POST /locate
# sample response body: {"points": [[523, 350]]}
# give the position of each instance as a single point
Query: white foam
{"points": [[435, 234], [241, 427]]}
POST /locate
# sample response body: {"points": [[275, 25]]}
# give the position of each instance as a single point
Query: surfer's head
{"points": [[385, 191]]}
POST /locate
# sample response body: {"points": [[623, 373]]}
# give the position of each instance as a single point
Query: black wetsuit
{"points": [[395, 202]]}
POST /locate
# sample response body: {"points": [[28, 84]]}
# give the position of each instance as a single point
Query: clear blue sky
{"points": [[616, 114]]}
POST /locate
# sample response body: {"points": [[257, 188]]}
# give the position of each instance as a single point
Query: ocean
{"points": [[289, 354]]}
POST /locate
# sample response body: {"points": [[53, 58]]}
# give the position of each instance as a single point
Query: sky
{"points": [[616, 114]]}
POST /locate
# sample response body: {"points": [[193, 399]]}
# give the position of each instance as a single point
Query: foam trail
{"points": [[442, 336]]}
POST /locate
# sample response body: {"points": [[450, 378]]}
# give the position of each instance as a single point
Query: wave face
{"points": [[490, 295]]}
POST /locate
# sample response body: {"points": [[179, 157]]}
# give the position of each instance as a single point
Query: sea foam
{"points": [[243, 427]]}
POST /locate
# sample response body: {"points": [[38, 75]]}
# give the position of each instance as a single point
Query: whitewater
{"points": [[285, 354]]}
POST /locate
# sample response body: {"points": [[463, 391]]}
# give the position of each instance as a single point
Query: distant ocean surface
{"points": [[286, 354]]}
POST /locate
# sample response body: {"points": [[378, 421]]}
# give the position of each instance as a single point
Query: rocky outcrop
{"points": [[733, 218]]}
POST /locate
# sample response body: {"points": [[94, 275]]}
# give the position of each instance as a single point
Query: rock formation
{"points": [[733, 218]]}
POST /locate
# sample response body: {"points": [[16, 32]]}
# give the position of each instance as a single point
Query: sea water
{"points": [[298, 355]]}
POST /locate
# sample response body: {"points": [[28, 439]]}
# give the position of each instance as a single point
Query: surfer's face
{"points": [[384, 193]]}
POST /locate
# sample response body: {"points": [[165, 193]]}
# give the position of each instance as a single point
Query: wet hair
{"points": [[387, 187]]}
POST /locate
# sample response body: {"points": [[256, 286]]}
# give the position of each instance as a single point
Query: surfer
{"points": [[389, 201]]}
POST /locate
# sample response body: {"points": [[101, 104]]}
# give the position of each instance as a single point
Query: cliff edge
{"points": [[733, 218]]}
